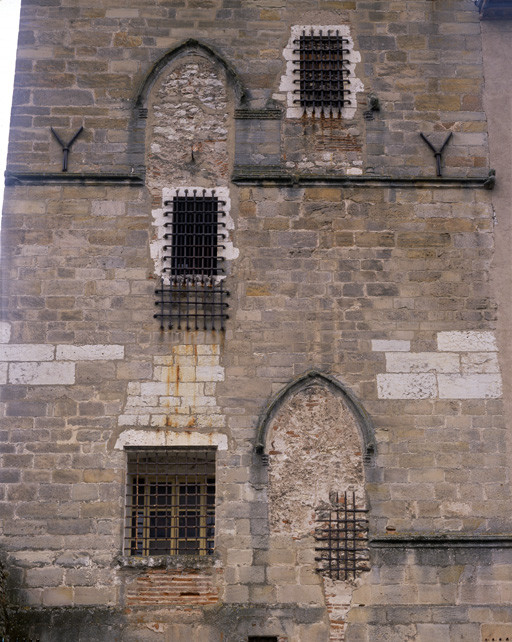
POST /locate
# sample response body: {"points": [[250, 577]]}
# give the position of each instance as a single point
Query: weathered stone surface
{"points": [[90, 352], [407, 386], [474, 386], [385, 285], [467, 341], [42, 374]]}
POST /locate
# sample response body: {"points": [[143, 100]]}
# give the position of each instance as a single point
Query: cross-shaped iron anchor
{"points": [[437, 152], [66, 146]]}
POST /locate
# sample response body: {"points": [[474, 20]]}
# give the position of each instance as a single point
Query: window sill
{"points": [[167, 561]]}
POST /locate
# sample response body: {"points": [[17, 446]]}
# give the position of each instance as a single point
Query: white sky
{"points": [[9, 19]]}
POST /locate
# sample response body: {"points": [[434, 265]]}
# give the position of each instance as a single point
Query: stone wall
{"points": [[345, 257]]}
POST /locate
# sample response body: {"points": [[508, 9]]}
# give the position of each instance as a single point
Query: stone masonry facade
{"points": [[362, 370]]}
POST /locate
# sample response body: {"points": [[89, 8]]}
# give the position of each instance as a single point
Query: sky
{"points": [[9, 19]]}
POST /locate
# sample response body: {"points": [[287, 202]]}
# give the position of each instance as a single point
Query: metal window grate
{"points": [[342, 536], [170, 501], [323, 74], [191, 292]]}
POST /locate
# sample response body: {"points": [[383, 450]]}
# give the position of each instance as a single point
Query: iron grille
{"points": [[342, 536], [191, 292], [323, 75], [170, 501]]}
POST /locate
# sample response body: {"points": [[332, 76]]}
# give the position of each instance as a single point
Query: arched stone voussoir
{"points": [[309, 378], [190, 47]]}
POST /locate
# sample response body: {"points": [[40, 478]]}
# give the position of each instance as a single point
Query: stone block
{"points": [[468, 341], [479, 363], [236, 593], [475, 386], [42, 374], [89, 352], [239, 557], [390, 345], [58, 596], [95, 595], [26, 352], [422, 362], [297, 594], [407, 386], [5, 332], [43, 577], [429, 632], [3, 373]]}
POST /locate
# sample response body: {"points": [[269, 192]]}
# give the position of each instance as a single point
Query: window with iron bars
{"points": [[321, 66], [342, 538], [170, 501], [191, 294]]}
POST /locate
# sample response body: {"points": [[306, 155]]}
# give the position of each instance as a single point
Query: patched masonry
{"points": [[464, 367], [181, 392], [42, 364]]}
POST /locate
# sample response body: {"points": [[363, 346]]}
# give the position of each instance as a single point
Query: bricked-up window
{"points": [[192, 293], [170, 501], [321, 67]]}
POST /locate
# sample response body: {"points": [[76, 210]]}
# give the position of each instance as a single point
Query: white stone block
{"points": [[170, 438], [475, 386], [479, 363], [384, 345], [90, 352], [156, 388], [26, 352], [467, 341], [141, 401], [42, 374], [208, 349], [3, 373], [189, 391], [407, 386], [211, 421], [5, 332], [210, 373], [422, 362], [175, 374]]}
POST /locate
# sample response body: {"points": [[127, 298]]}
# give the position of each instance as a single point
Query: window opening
{"points": [[170, 502], [323, 74], [191, 292], [342, 536]]}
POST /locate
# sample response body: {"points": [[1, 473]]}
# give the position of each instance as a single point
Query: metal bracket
{"points": [[373, 106], [66, 146], [437, 152]]}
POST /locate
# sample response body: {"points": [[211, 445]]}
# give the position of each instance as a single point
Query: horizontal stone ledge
{"points": [[64, 178], [258, 114], [442, 541], [271, 176], [178, 562]]}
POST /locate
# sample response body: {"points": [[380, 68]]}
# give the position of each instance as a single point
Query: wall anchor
{"points": [[66, 146], [437, 152]]}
